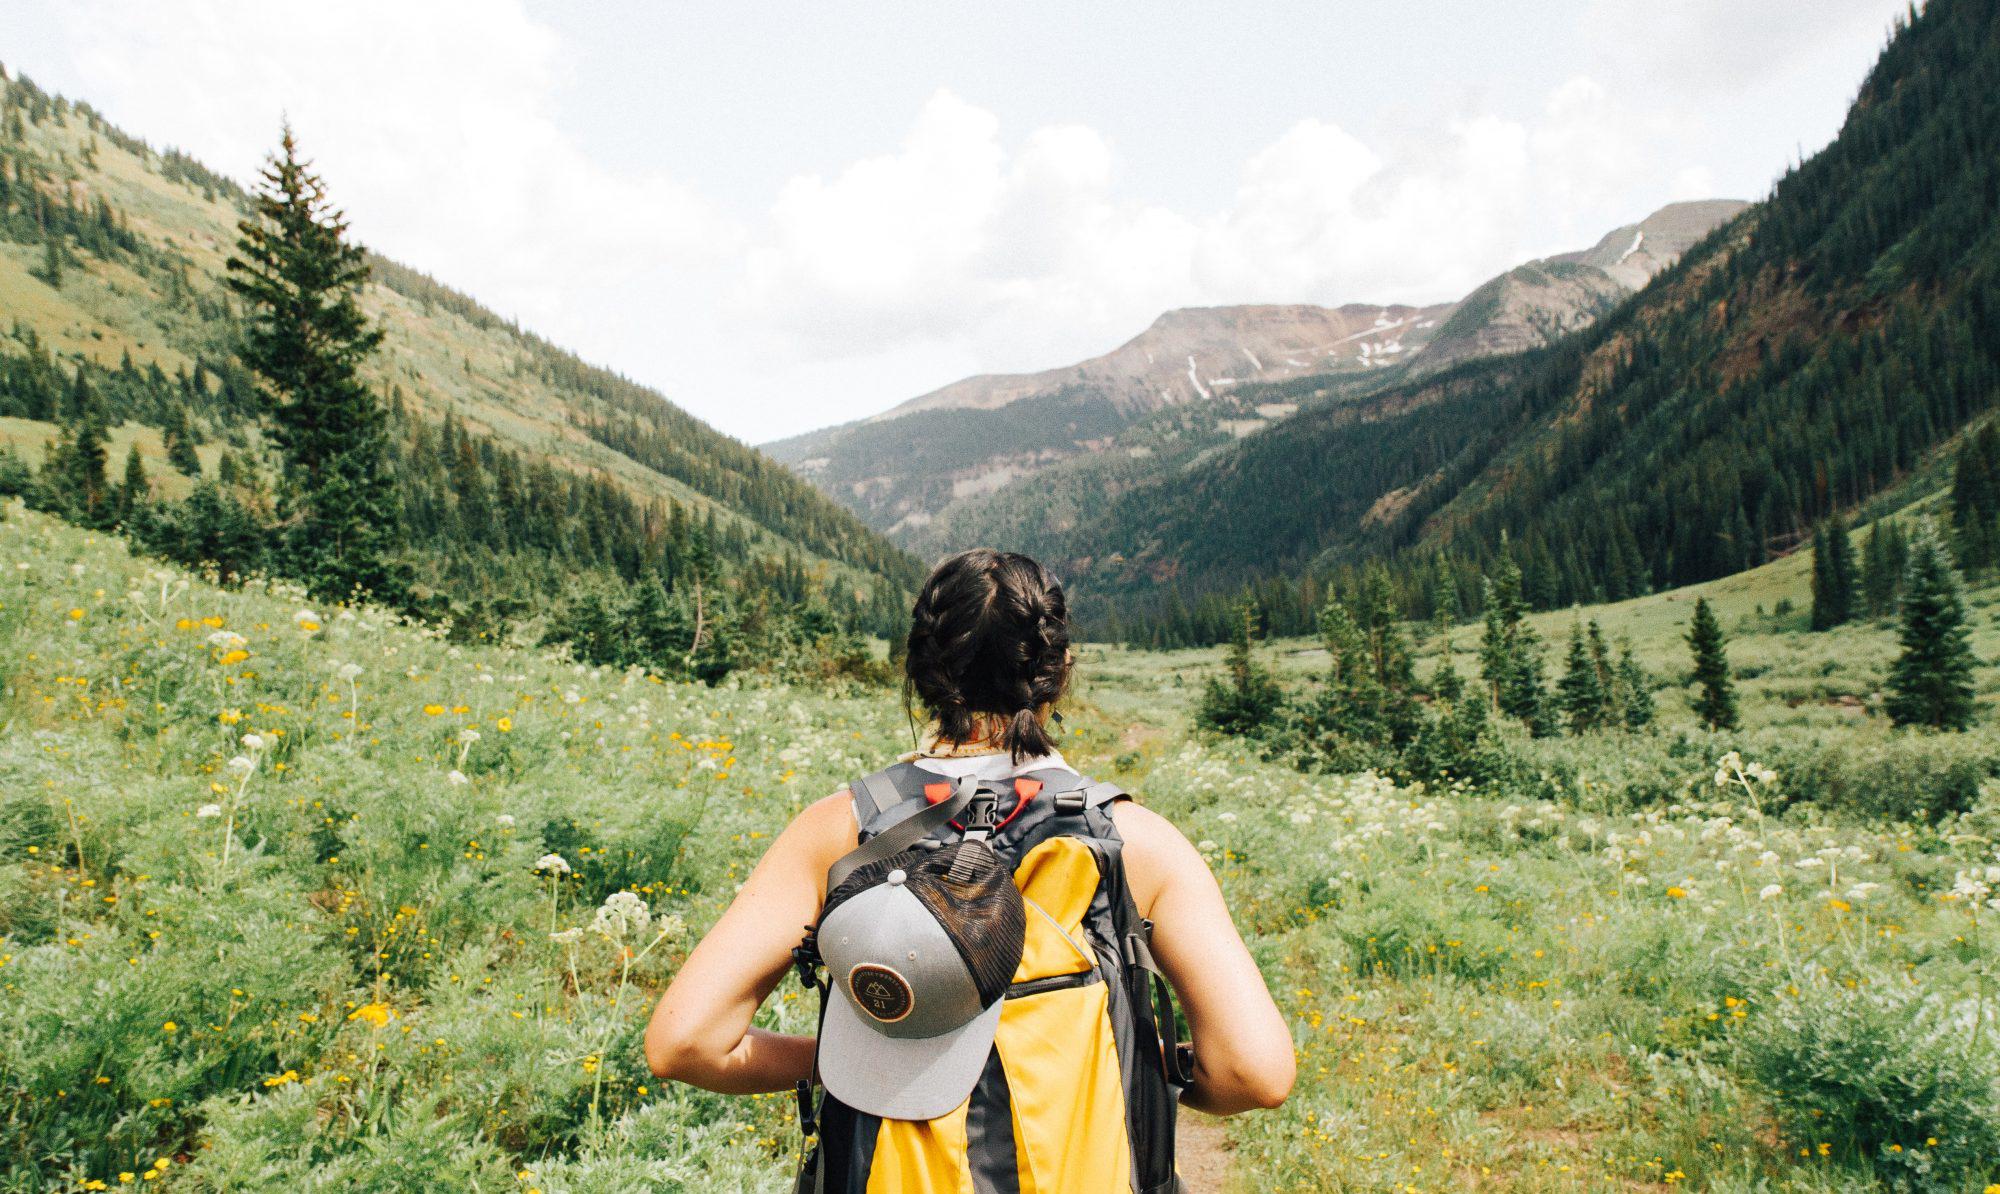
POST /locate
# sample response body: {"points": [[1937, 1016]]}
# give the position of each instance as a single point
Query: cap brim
{"points": [[901, 1079]]}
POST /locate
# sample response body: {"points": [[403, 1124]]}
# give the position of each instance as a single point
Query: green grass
{"points": [[1488, 993]]}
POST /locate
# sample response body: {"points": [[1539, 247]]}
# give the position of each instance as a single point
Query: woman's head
{"points": [[989, 643]]}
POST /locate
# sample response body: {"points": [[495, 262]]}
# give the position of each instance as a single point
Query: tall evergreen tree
{"points": [[1246, 698], [1634, 691], [1930, 684], [1975, 500], [74, 479], [179, 436], [1716, 704], [1581, 690], [1836, 583], [132, 492], [1510, 653], [306, 339], [1883, 559]]}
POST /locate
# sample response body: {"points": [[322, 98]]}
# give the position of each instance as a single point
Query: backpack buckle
{"points": [[805, 957], [808, 1122]]}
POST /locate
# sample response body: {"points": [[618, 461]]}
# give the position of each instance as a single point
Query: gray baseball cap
{"points": [[919, 950]]}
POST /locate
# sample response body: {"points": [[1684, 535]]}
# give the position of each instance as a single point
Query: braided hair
{"points": [[989, 636]]}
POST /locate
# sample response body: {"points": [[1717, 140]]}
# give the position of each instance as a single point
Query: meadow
{"points": [[315, 898]]}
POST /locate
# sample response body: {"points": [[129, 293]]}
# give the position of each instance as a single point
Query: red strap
{"points": [[1025, 790]]}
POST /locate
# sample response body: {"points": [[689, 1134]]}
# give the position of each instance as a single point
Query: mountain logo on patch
{"points": [[881, 992]]}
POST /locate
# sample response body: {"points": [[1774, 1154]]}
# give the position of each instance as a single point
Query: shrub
{"points": [[1884, 1079]]}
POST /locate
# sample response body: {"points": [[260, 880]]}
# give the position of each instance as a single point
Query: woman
{"points": [[988, 658]]}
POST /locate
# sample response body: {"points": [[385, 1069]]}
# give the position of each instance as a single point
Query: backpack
{"points": [[1080, 1091]]}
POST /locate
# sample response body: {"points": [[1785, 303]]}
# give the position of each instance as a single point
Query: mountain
{"points": [[525, 471], [925, 471], [898, 469], [1533, 304], [1804, 357]]}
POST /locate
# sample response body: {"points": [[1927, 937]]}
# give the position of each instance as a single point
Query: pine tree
{"points": [[1883, 561], [1716, 705], [1581, 691], [1835, 582], [306, 339], [1246, 698], [1635, 691], [180, 442], [51, 270], [1510, 654], [1930, 684], [132, 492], [1975, 500], [74, 477]]}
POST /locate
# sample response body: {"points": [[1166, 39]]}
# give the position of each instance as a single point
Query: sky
{"points": [[799, 212]]}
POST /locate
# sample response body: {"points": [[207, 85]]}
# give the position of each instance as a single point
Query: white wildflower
{"points": [[622, 913], [468, 735], [1771, 891], [241, 765], [567, 936], [253, 741], [555, 864], [504, 820], [208, 810], [457, 778]]}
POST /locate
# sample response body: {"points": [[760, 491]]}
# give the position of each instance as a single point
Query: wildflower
{"points": [[348, 671], [468, 735], [1678, 893], [207, 811], [1771, 891], [457, 777], [555, 864], [253, 741], [227, 640], [567, 936], [433, 709], [76, 615], [504, 820], [622, 912], [241, 765], [504, 725], [376, 1015], [170, 1026]]}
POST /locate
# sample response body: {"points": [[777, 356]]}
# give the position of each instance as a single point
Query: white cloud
{"points": [[1024, 256], [433, 124], [967, 245]]}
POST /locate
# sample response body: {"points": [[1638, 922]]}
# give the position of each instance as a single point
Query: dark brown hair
{"points": [[990, 635]]}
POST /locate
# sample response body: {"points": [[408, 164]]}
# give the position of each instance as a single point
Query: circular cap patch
{"points": [[881, 992]]}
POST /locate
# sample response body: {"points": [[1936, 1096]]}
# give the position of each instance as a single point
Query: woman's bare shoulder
{"points": [[1157, 854]]}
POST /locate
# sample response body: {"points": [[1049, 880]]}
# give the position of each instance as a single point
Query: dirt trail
{"points": [[1201, 1153]]}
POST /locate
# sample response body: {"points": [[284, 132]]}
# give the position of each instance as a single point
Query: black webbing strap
{"points": [[1176, 1058], [903, 834]]}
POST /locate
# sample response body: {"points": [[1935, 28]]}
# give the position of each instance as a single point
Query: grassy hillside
{"points": [[139, 239], [269, 907]]}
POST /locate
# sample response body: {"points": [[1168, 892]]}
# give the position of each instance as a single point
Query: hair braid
{"points": [[989, 635]]}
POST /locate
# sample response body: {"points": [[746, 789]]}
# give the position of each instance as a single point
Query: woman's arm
{"points": [[700, 1032], [1242, 1048]]}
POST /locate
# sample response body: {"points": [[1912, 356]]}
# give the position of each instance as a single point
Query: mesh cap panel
{"points": [[970, 891]]}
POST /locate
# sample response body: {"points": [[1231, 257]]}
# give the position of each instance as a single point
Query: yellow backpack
{"points": [[1080, 1091]]}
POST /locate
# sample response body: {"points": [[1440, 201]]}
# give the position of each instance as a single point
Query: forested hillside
{"points": [[534, 486], [1803, 358]]}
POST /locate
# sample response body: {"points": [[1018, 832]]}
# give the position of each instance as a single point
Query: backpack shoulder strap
{"points": [[880, 791], [1082, 793]]}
